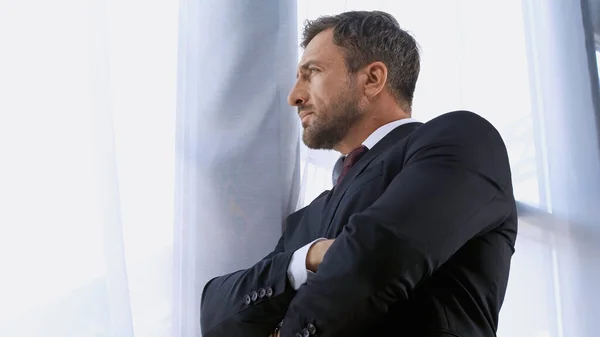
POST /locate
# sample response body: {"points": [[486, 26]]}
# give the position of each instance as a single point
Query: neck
{"points": [[364, 128]]}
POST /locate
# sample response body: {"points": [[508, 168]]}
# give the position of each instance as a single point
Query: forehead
{"points": [[322, 49]]}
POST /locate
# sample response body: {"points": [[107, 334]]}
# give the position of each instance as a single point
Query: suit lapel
{"points": [[338, 191]]}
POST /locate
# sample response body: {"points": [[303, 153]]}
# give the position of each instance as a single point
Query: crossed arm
{"points": [[451, 188], [230, 307], [454, 185], [253, 301]]}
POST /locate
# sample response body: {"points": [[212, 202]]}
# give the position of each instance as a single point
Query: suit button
{"points": [[312, 328], [269, 291], [261, 293], [247, 299], [305, 333], [254, 296]]}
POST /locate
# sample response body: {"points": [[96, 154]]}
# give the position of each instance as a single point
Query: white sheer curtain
{"points": [[237, 141], [87, 112], [522, 64], [88, 161]]}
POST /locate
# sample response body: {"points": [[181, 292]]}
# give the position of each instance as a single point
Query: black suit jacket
{"points": [[425, 226]]}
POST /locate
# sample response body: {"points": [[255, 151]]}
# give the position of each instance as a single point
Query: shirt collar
{"points": [[383, 130]]}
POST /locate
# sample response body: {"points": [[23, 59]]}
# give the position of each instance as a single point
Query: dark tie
{"points": [[349, 161]]}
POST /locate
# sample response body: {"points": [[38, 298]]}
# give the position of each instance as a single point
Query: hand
{"points": [[274, 334], [316, 253]]}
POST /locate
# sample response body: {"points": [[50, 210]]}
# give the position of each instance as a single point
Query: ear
{"points": [[375, 77]]}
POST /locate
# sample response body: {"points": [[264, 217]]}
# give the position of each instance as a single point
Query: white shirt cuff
{"points": [[297, 272]]}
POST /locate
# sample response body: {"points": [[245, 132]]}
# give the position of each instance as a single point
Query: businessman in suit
{"points": [[416, 236]]}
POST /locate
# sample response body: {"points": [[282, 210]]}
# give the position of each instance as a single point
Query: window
{"points": [[479, 63]]}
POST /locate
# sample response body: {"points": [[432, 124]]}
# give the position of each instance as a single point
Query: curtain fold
{"points": [[107, 176], [86, 139], [237, 149], [567, 94]]}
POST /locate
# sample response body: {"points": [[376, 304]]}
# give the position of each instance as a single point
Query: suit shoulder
{"points": [[462, 137], [462, 118], [460, 126]]}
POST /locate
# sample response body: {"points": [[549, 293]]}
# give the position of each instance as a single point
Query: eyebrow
{"points": [[308, 64]]}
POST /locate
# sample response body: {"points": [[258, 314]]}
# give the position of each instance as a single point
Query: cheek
{"points": [[322, 98], [324, 93]]}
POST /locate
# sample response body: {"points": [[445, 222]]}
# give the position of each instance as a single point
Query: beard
{"points": [[331, 126]]}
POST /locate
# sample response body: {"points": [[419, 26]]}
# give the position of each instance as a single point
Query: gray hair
{"points": [[368, 37]]}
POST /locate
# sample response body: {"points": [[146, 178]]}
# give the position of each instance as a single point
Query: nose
{"points": [[298, 96]]}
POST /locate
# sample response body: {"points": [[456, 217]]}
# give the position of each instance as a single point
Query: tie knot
{"points": [[354, 156], [343, 166]]}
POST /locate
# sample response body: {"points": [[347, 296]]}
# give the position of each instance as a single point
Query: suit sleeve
{"points": [[455, 184], [250, 302]]}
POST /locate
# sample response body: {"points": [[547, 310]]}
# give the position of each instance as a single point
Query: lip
{"points": [[305, 115]]}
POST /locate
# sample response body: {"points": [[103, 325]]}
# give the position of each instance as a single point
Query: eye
{"points": [[313, 70]]}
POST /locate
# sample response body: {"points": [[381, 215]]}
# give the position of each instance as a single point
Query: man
{"points": [[416, 237]]}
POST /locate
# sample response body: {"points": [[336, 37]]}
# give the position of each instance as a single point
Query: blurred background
{"points": [[146, 146]]}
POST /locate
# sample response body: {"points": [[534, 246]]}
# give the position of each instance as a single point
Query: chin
{"points": [[313, 145], [316, 139], [309, 142]]}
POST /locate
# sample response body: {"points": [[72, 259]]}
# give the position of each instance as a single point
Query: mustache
{"points": [[305, 108]]}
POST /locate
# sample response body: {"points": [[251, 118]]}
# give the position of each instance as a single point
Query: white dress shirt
{"points": [[297, 272]]}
